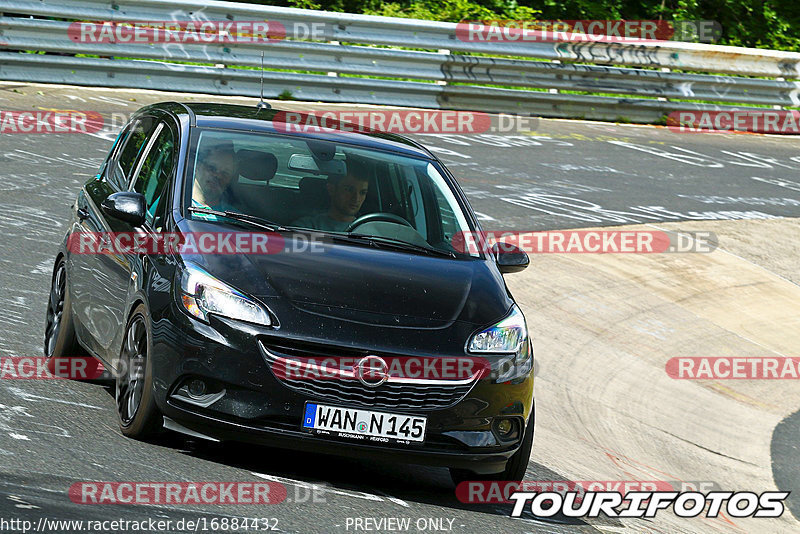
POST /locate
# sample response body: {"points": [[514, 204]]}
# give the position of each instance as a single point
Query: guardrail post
{"points": [[554, 91], [332, 73], [779, 79], [661, 98], [443, 51]]}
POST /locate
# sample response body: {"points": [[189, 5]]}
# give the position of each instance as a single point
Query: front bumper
{"points": [[251, 405]]}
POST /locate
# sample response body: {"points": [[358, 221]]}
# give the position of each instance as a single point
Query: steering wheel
{"points": [[377, 216]]}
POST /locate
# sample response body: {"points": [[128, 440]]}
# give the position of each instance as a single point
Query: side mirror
{"points": [[510, 258], [126, 206]]}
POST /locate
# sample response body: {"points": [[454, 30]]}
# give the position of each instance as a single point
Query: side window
{"points": [[155, 171], [415, 200], [449, 222], [399, 192], [105, 170], [133, 147]]}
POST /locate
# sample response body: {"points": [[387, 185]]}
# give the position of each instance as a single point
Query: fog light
{"points": [[504, 427], [197, 388]]}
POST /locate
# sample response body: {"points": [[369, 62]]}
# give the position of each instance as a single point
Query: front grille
{"points": [[403, 394]]}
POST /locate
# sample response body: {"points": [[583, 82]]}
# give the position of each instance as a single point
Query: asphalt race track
{"points": [[603, 327]]}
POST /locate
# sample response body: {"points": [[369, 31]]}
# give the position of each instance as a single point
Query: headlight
{"points": [[509, 337], [202, 294]]}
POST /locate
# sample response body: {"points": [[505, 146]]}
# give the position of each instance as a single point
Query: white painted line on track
{"points": [[322, 488], [31, 397]]}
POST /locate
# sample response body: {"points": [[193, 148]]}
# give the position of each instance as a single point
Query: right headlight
{"points": [[202, 294], [507, 337]]}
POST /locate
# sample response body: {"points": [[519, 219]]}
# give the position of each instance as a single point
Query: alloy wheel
{"points": [[130, 373], [55, 309]]}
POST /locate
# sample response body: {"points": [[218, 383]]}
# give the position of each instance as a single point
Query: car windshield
{"points": [[325, 186]]}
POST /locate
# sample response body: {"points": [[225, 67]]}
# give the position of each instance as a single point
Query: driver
{"points": [[347, 194]]}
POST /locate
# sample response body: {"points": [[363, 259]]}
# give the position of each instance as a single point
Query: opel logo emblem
{"points": [[371, 371]]}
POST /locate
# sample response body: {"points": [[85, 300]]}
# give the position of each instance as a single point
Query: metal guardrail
{"points": [[465, 81]]}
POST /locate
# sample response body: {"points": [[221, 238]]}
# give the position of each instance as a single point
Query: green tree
{"points": [[753, 23]]}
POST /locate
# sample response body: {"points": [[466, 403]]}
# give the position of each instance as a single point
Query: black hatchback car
{"points": [[347, 319]]}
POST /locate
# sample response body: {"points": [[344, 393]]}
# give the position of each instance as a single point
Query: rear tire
{"points": [[60, 340], [61, 345], [137, 413], [516, 466]]}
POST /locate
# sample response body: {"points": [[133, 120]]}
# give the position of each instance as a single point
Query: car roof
{"points": [[251, 118]]}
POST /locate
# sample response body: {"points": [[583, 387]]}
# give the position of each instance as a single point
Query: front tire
{"points": [[137, 413]]}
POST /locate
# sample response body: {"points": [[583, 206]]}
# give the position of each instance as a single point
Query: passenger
{"points": [[347, 194], [216, 167]]}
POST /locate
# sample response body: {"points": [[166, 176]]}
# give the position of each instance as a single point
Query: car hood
{"points": [[369, 285]]}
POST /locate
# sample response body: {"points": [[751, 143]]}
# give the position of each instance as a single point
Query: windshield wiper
{"points": [[235, 215], [396, 243]]}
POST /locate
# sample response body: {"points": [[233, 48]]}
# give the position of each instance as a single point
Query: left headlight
{"points": [[509, 336], [202, 294]]}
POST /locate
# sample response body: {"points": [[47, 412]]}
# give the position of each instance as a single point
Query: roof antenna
{"points": [[261, 104]]}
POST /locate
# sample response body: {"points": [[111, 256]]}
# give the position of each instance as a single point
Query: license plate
{"points": [[364, 425]]}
